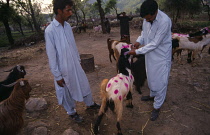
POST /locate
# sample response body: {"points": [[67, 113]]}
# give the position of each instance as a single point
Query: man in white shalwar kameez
{"points": [[157, 47], [70, 80]]}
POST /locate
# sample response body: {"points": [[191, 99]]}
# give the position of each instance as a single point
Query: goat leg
{"points": [[189, 56], [96, 126], [110, 59], [119, 110], [102, 110], [119, 129], [129, 100]]}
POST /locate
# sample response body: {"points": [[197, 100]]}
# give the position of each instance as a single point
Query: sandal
{"points": [[76, 117]]}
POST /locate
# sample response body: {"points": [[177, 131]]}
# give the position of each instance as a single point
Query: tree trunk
{"points": [[102, 16], [8, 32], [207, 8], [37, 28], [115, 11], [76, 15], [20, 26], [84, 16], [177, 15], [208, 11]]}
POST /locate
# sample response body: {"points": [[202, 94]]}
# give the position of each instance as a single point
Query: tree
{"points": [[102, 15], [111, 4], [84, 8], [49, 9], [4, 17], [27, 6], [177, 8], [192, 5], [206, 4], [17, 19]]}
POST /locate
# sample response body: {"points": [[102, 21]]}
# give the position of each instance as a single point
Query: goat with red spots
{"points": [[115, 90]]}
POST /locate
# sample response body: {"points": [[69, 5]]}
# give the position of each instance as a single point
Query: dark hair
{"points": [[148, 7], [61, 4]]}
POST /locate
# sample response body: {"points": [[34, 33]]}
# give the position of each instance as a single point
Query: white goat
{"points": [[195, 44], [97, 29]]}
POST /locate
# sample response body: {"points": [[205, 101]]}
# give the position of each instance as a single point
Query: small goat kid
{"points": [[15, 73], [113, 50], [11, 109], [115, 90]]}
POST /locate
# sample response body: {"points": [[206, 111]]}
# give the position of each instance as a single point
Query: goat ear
{"points": [[22, 83]]}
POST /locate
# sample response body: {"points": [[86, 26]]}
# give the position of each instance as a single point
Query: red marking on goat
{"points": [[126, 46], [116, 81], [126, 85], [109, 85], [121, 78], [116, 91], [120, 98]]}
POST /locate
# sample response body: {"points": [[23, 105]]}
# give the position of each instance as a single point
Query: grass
{"points": [[197, 24], [16, 36]]}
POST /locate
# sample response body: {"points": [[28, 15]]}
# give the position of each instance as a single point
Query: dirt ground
{"points": [[186, 110]]}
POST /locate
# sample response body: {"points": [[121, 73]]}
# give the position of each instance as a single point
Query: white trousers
{"points": [[69, 103], [159, 97]]}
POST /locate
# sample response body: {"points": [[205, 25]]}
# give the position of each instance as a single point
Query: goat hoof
{"points": [[189, 60], [139, 91], [95, 130], [129, 106]]}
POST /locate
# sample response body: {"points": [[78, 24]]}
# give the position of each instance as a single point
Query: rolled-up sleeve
{"points": [[156, 41], [140, 39]]}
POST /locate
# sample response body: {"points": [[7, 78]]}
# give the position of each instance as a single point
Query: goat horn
{"points": [[9, 70], [9, 85]]}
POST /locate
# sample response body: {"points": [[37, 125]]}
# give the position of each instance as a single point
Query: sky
{"points": [[44, 3], [47, 2]]}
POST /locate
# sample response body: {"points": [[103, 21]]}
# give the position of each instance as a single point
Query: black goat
{"points": [[15, 73], [139, 72]]}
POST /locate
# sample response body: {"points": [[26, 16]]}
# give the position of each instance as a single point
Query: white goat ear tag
{"points": [[21, 83]]}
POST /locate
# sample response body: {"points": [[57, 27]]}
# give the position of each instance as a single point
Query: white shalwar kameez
{"points": [[158, 48], [64, 61]]}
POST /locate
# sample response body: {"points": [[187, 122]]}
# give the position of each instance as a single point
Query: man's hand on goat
{"points": [[61, 82], [131, 52], [136, 45]]}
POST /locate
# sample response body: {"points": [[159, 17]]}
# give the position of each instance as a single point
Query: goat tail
{"points": [[209, 50], [103, 86], [103, 96], [108, 40], [109, 45]]}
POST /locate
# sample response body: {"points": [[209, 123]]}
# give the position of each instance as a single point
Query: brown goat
{"points": [[111, 44], [11, 109]]}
